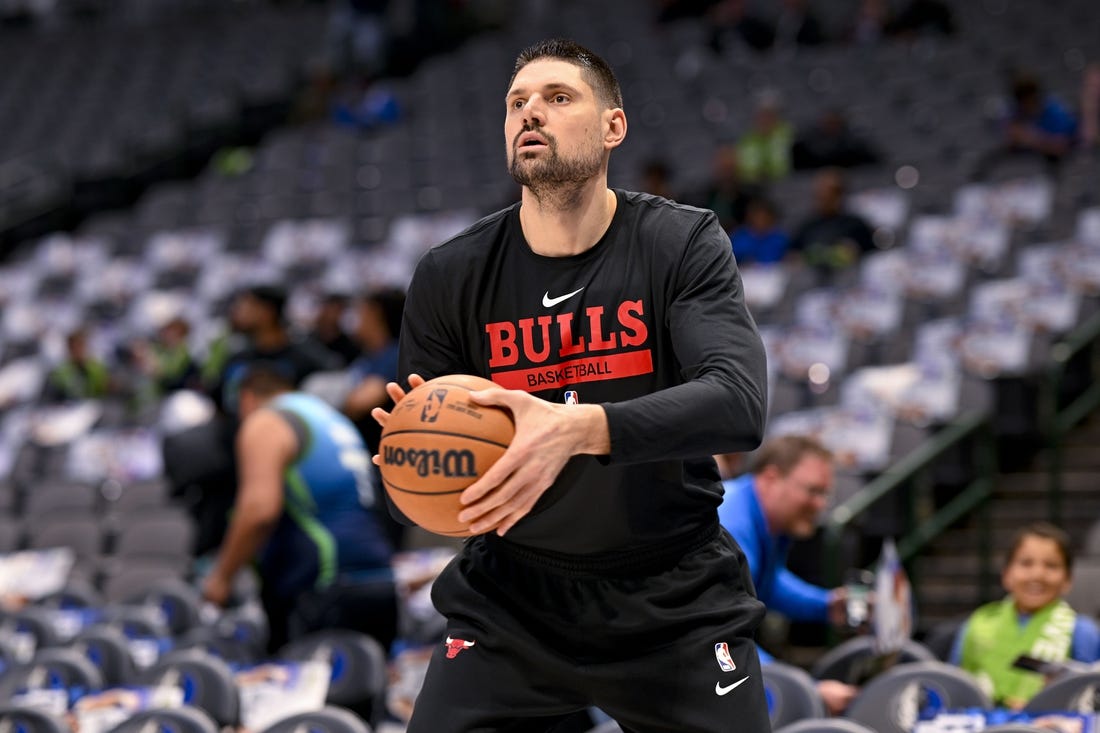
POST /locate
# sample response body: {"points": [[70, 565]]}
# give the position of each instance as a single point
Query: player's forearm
{"points": [[242, 543], [591, 430]]}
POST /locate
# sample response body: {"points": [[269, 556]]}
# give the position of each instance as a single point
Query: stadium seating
{"points": [[792, 694], [1072, 691], [892, 701], [325, 720], [825, 725]]}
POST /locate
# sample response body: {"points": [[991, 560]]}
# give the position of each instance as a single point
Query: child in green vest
{"points": [[1032, 620]]}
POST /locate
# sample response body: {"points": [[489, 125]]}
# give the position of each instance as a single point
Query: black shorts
{"points": [[662, 641]]}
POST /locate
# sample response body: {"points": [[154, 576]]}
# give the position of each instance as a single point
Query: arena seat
{"points": [[825, 725], [1073, 691], [52, 669], [891, 702], [28, 719], [792, 694], [329, 719], [180, 603], [206, 680], [840, 662], [358, 665], [108, 649], [186, 719]]}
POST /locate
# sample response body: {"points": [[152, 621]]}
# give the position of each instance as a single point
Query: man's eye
{"points": [[561, 98]]}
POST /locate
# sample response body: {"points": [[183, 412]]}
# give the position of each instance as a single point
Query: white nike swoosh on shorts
{"points": [[719, 690], [549, 302]]}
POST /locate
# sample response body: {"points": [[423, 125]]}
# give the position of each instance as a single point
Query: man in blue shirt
{"points": [[305, 512], [1036, 125], [765, 510]]}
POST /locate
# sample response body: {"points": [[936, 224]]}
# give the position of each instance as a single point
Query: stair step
{"points": [[943, 567], [1037, 482], [1081, 456], [949, 598]]}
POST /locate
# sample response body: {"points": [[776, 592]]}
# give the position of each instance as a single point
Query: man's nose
{"points": [[534, 111]]}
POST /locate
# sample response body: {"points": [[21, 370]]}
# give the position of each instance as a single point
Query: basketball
{"points": [[435, 444]]}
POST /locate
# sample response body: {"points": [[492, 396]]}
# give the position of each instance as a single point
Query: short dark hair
{"points": [[265, 379], [596, 71], [787, 451], [1046, 531], [391, 301], [270, 295]]}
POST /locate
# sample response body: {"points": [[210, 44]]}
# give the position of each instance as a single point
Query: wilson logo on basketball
{"points": [[433, 405], [448, 463]]}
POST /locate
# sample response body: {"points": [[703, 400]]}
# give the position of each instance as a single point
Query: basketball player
{"points": [[616, 323], [304, 512]]}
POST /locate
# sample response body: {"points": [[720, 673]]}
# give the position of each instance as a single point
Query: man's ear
{"points": [[615, 125]]}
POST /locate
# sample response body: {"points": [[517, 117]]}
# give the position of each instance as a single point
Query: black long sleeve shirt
{"points": [[650, 323]]}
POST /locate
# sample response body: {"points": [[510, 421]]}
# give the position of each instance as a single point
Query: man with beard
{"points": [[615, 324]]}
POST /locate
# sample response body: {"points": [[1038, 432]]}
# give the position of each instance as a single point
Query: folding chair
{"points": [[358, 665], [326, 720], [1078, 691], [841, 662], [911, 688], [825, 725], [186, 719], [792, 694], [30, 720], [206, 680]]}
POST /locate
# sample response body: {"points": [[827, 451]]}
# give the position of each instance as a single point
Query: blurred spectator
{"points": [[731, 22], [1033, 620], [1090, 106], [724, 194], [258, 313], [869, 23], [831, 239], [831, 142], [656, 178], [166, 361], [798, 25], [379, 326], [760, 239], [1036, 125], [328, 328], [79, 376], [357, 37], [779, 501], [921, 16], [199, 462], [764, 152], [305, 512]]}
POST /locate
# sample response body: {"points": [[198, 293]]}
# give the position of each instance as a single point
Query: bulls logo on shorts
{"points": [[454, 646]]}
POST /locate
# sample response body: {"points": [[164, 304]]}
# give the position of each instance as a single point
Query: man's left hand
{"points": [[216, 589]]}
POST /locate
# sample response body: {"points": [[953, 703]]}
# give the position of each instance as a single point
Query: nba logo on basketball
{"points": [[433, 405], [571, 397], [725, 661]]}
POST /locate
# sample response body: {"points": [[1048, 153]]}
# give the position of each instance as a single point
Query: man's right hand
{"points": [[837, 695], [396, 393]]}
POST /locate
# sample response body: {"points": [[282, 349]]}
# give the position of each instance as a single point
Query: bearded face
{"points": [[549, 167]]}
